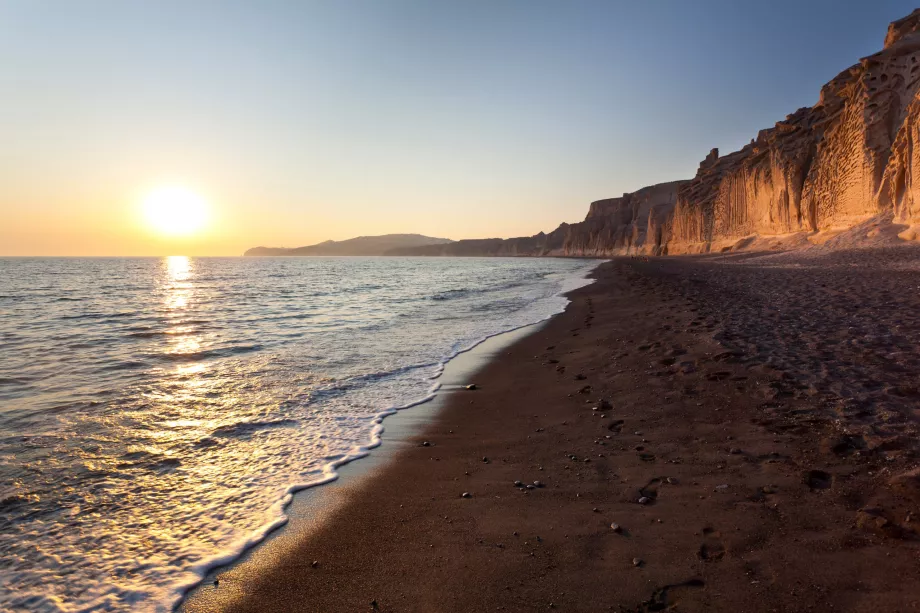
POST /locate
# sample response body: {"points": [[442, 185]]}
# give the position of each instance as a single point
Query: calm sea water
{"points": [[155, 414]]}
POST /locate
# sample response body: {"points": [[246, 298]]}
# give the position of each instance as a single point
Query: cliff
{"points": [[362, 245], [847, 163], [840, 170], [616, 226], [821, 170]]}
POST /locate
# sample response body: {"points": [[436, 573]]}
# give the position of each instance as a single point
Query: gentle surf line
{"points": [[329, 470]]}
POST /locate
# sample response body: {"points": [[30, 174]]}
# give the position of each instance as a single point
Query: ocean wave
{"points": [[206, 354], [464, 292], [248, 428], [227, 440], [125, 365], [148, 334], [101, 315]]}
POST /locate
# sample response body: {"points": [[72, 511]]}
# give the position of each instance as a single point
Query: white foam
{"points": [[330, 473], [194, 462]]}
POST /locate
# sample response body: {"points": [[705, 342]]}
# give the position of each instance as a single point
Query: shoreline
{"points": [[732, 484], [312, 504], [304, 507]]}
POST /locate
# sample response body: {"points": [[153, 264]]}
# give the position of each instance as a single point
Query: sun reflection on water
{"points": [[181, 393], [179, 293], [178, 284]]}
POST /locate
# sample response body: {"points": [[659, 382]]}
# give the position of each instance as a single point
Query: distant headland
{"points": [[362, 245]]}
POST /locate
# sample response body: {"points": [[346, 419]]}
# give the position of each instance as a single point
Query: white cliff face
{"points": [[851, 157], [831, 166]]}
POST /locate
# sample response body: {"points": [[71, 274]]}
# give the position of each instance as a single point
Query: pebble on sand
{"points": [[466, 495], [518, 484], [471, 387], [644, 500], [616, 527], [314, 564], [426, 444], [538, 484], [638, 562]]}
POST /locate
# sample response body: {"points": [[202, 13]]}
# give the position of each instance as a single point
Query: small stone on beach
{"points": [[644, 500], [466, 495], [637, 562], [616, 527], [471, 387]]}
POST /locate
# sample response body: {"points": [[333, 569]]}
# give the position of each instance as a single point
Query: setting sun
{"points": [[175, 210]]}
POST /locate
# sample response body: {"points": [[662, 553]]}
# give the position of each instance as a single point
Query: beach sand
{"points": [[747, 422]]}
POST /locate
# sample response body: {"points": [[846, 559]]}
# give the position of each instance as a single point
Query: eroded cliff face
{"points": [[616, 226], [824, 168], [626, 225]]}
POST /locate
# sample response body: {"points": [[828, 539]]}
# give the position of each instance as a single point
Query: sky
{"points": [[301, 121]]}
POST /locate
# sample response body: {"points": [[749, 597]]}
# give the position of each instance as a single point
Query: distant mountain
{"points": [[362, 245]]}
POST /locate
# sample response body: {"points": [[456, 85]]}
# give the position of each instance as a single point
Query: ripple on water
{"points": [[156, 427]]}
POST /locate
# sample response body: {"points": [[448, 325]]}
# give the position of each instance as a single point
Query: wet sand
{"points": [[747, 422]]}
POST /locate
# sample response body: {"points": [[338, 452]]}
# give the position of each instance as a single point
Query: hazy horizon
{"points": [[288, 124]]}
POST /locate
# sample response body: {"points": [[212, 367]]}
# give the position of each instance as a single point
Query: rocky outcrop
{"points": [[616, 226], [824, 168], [848, 163]]}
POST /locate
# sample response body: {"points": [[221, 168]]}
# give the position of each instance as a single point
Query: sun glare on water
{"points": [[175, 210]]}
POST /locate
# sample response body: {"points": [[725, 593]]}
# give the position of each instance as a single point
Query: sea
{"points": [[157, 414]]}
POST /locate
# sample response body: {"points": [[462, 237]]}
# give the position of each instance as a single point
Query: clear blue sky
{"points": [[302, 121]]}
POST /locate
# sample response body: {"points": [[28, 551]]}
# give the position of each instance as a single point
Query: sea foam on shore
{"points": [[199, 394]]}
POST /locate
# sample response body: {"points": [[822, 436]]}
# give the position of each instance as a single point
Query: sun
{"points": [[175, 210]]}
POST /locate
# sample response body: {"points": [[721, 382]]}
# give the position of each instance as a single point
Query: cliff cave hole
{"points": [[884, 77]]}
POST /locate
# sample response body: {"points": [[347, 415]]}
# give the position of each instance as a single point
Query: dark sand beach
{"points": [[748, 423]]}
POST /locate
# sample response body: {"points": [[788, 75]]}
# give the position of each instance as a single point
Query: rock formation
{"points": [[848, 163], [851, 157], [822, 169], [616, 226]]}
